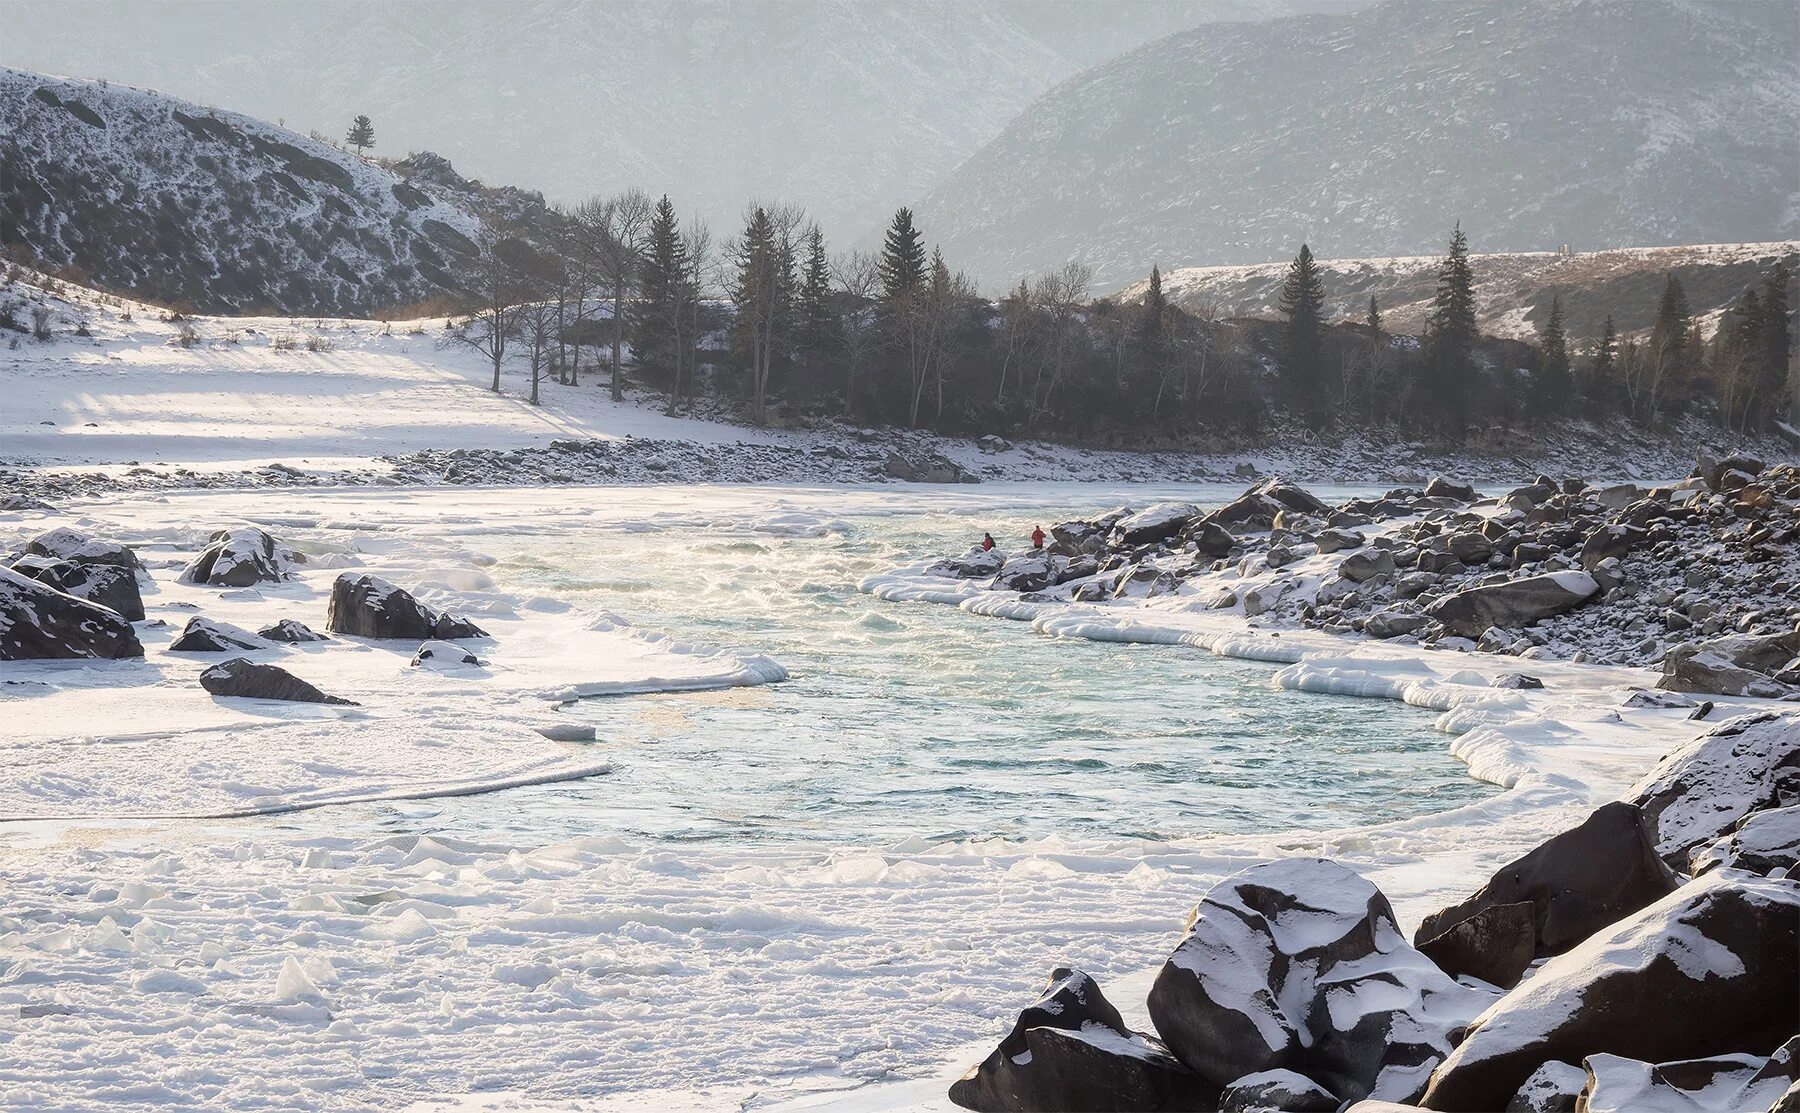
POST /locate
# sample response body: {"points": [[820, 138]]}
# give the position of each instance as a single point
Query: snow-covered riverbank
{"points": [[343, 959]]}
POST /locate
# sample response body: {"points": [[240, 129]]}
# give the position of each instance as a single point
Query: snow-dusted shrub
{"points": [[185, 336], [40, 321], [282, 342], [318, 343]]}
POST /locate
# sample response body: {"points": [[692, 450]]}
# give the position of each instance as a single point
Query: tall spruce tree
{"points": [[1155, 308], [1602, 369], [1373, 321], [661, 290], [902, 265], [1450, 336], [814, 321], [361, 134], [1551, 383], [1303, 302]]}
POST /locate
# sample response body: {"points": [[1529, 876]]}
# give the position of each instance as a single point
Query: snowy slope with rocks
{"points": [[1512, 291], [218, 212], [1601, 124]]}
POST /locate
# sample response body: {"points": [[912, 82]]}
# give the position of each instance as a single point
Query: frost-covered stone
{"points": [[1763, 842], [1299, 964], [1470, 612], [1211, 540], [1734, 665], [1441, 488], [38, 622], [1365, 564], [438, 654], [1700, 791], [291, 631], [976, 564], [110, 585], [1027, 573], [1576, 883], [1394, 623], [1071, 1050], [241, 557], [63, 543], [244, 679], [1337, 540], [203, 635], [1277, 1091], [1153, 523], [1552, 1088], [369, 607], [1712, 968], [1751, 1083]]}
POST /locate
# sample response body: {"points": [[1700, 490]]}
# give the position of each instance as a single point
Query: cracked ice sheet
{"points": [[140, 738]]}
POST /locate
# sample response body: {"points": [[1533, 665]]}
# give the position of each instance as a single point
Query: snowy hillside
{"points": [[215, 211], [1512, 291], [849, 107], [1600, 124]]}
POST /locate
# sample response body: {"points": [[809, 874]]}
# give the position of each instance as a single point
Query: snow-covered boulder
{"points": [[976, 564], [369, 607], [110, 585], [1158, 522], [291, 631], [1300, 965], [246, 680], [1470, 612], [1365, 564], [241, 557], [1734, 665], [1277, 1091], [1575, 884], [204, 635], [1712, 968], [1337, 540], [1027, 573], [1552, 1088], [442, 654], [1762, 843], [1751, 1083], [1071, 1050], [1393, 623], [39, 622], [1210, 539], [63, 543], [1700, 791]]}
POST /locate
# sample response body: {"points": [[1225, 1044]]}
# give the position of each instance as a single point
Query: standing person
{"points": [[987, 542], [1037, 537]]}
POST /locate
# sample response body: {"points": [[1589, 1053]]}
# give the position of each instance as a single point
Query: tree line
{"points": [[768, 321]]}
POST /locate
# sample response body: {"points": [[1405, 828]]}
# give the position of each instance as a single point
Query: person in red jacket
{"points": [[1037, 537], [987, 542]]}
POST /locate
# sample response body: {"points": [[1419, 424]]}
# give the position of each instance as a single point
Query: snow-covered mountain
{"points": [[218, 212], [848, 107], [1596, 123], [1512, 290]]}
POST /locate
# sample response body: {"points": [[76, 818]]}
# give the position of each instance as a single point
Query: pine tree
{"points": [[1303, 301], [1155, 307], [763, 292], [814, 323], [1670, 356], [1602, 368], [361, 134], [902, 263], [661, 292], [1373, 323], [1551, 391], [1450, 335], [1737, 370]]}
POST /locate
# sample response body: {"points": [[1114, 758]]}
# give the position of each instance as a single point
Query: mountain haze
{"points": [[1600, 123]]}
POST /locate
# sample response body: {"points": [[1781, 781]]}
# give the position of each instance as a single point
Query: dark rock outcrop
{"points": [[241, 557], [1277, 1091], [63, 543], [110, 585], [1470, 612], [368, 606], [291, 631], [1710, 969], [1734, 665], [1575, 884], [247, 680], [1071, 1051], [1703, 789], [38, 622], [203, 635]]}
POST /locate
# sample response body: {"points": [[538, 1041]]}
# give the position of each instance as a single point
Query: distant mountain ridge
{"points": [[1596, 122], [217, 212], [1512, 291]]}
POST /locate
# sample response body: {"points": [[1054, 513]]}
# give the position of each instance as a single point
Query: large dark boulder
{"points": [[1071, 1051], [1365, 564], [63, 543], [1300, 965], [1608, 542], [203, 635], [241, 557], [38, 622], [1211, 540], [1027, 573], [369, 607], [1441, 488], [1470, 612], [1734, 665], [1710, 969], [1699, 792], [245, 679], [110, 585], [1574, 883]]}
